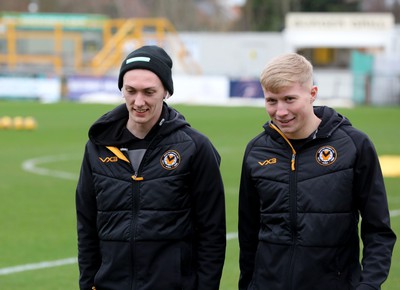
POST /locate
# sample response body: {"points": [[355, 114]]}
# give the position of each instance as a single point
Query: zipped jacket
{"points": [[299, 211], [160, 226]]}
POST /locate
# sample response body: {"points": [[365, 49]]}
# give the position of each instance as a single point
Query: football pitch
{"points": [[39, 170]]}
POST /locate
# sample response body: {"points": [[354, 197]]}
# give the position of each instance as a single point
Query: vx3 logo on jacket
{"points": [[268, 162], [326, 155], [170, 160], [109, 159]]}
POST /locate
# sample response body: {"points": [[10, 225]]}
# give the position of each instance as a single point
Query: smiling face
{"points": [[144, 94], [291, 109], [287, 83]]}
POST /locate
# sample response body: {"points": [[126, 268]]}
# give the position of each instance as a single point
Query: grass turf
{"points": [[37, 211]]}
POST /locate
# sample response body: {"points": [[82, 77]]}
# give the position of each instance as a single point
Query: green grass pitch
{"points": [[37, 215]]}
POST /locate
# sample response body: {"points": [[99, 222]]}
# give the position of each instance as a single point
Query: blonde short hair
{"points": [[286, 70]]}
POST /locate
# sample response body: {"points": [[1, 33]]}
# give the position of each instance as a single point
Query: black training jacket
{"points": [[159, 228], [299, 211]]}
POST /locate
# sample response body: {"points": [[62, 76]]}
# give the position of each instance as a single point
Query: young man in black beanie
{"points": [[150, 198]]}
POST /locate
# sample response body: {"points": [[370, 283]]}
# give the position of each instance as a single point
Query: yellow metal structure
{"points": [[63, 49]]}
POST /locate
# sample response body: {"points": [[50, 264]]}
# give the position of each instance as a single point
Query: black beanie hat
{"points": [[150, 57]]}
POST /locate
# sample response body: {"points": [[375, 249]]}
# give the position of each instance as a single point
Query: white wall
{"points": [[244, 55], [232, 54]]}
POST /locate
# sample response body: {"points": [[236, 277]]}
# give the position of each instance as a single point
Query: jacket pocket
{"points": [[158, 265]]}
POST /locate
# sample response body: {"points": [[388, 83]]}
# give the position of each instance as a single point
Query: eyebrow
{"points": [[142, 89], [284, 96]]}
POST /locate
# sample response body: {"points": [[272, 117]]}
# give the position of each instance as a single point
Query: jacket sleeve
{"points": [[209, 214], [249, 225], [89, 259], [376, 233]]}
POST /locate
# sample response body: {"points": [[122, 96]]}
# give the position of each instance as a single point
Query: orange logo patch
{"points": [[267, 162], [170, 160], [326, 155], [109, 159]]}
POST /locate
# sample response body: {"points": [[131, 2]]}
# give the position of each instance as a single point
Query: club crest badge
{"points": [[326, 155], [170, 160]]}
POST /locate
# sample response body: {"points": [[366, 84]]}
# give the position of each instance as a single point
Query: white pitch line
{"points": [[231, 236], [62, 262], [394, 213], [36, 266], [31, 165], [68, 261]]}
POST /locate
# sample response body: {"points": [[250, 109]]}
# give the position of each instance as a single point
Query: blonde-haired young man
{"points": [[306, 181]]}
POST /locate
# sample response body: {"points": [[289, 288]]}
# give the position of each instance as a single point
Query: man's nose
{"points": [[140, 99], [281, 109]]}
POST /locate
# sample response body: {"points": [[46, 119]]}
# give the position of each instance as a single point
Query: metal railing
{"points": [[58, 49]]}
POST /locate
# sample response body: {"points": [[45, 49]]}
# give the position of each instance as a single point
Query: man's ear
{"points": [[314, 91]]}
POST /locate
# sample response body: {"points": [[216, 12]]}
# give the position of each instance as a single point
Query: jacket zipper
{"points": [[135, 200], [292, 200], [293, 158], [293, 218], [135, 206], [135, 211]]}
